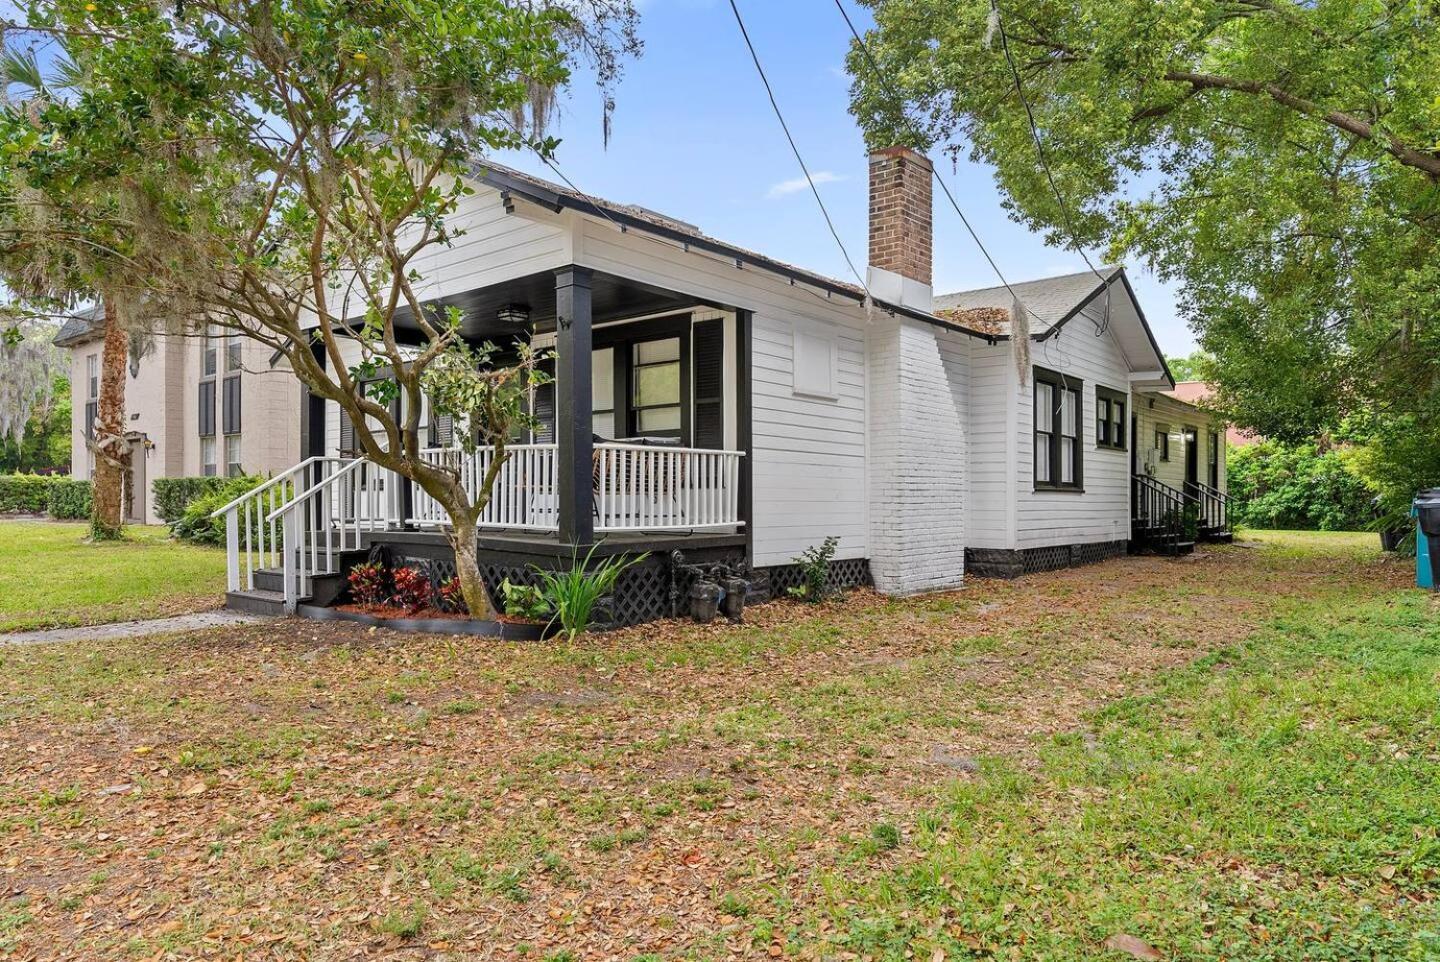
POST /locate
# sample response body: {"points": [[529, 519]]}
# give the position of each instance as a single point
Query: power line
{"points": [[740, 21], [1045, 164]]}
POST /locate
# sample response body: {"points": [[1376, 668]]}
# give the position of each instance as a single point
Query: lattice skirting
{"points": [[1007, 563], [849, 573], [648, 591]]}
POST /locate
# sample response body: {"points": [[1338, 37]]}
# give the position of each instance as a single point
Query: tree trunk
{"points": [[465, 542], [108, 443]]}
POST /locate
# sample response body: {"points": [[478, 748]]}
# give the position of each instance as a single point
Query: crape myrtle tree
{"points": [[62, 246], [304, 157], [1279, 159]]}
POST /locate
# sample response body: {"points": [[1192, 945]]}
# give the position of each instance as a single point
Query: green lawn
{"points": [[50, 577], [1232, 756]]}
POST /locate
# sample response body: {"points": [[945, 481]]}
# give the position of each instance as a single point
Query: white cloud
{"points": [[797, 184]]}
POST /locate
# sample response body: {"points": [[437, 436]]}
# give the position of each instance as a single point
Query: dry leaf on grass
{"points": [[1133, 946]]}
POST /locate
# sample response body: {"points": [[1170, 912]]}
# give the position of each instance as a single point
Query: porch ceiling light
{"points": [[514, 315]]}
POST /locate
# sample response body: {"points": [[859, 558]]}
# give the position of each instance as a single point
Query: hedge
{"points": [[173, 495], [1296, 486], [195, 523], [52, 494], [69, 499]]}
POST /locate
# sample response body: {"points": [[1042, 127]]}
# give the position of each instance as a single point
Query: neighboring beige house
{"points": [[193, 406]]}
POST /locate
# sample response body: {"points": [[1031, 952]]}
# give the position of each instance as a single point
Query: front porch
{"points": [[641, 444]]}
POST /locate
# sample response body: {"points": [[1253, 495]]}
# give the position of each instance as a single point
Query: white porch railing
{"points": [[640, 487], [247, 524], [302, 520]]}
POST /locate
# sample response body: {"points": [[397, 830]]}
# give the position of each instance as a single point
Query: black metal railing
{"points": [[1213, 506], [1159, 510]]}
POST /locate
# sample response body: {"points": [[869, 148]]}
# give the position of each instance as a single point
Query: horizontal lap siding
{"points": [[1102, 512], [1175, 416], [492, 246], [809, 453], [990, 511]]}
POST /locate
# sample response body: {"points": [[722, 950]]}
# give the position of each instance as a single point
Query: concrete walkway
{"points": [[132, 629]]}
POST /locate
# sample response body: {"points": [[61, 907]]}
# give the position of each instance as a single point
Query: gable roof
{"points": [[1053, 302]]}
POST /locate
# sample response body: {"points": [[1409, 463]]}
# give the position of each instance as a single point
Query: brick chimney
{"points": [[900, 227]]}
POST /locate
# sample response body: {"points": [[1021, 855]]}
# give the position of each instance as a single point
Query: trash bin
{"points": [[1426, 512]]}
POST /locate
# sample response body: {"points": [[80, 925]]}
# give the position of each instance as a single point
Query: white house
{"points": [[712, 400]]}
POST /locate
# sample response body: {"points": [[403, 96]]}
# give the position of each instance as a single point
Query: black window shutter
{"points": [[545, 406], [442, 430], [708, 357], [232, 405], [347, 434], [207, 409]]}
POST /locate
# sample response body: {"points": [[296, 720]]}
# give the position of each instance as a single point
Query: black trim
{"points": [[574, 427], [1104, 440], [1060, 383], [230, 412]]}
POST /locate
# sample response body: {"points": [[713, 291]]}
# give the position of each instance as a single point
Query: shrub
{"points": [[196, 525], [28, 493], [173, 495], [814, 564], [573, 594], [451, 598], [412, 589], [69, 499], [1295, 486], [368, 584], [523, 601]]}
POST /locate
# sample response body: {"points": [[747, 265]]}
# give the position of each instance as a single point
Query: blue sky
{"points": [[694, 138]]}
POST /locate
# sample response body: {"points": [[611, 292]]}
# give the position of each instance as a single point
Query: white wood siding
{"points": [[809, 452], [1159, 411], [994, 446], [1102, 511]]}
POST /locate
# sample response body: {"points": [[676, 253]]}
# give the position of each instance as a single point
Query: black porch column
{"points": [[312, 412], [574, 436]]}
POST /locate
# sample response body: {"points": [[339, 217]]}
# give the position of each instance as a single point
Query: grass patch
{"points": [[50, 577]]}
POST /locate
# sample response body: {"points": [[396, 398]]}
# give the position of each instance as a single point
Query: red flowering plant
{"points": [[412, 589], [368, 584], [451, 598]]}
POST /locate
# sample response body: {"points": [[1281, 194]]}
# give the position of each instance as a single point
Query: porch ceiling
{"points": [[612, 298]]}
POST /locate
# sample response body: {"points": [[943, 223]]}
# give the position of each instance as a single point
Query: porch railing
{"points": [[1158, 508], [1214, 507], [637, 487], [252, 541]]}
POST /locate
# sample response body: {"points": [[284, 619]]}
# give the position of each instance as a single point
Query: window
{"points": [[207, 409], [602, 391], [1213, 464], [1109, 419], [207, 353], [1162, 441], [207, 456], [92, 398], [232, 455], [1058, 417], [815, 365], [232, 352], [655, 387]]}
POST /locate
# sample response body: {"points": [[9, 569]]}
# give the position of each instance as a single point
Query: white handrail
{"points": [[328, 518], [249, 513], [283, 476]]}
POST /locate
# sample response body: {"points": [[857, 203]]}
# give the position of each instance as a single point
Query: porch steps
{"points": [[256, 602]]}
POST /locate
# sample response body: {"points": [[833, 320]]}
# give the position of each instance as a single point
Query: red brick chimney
{"points": [[900, 227]]}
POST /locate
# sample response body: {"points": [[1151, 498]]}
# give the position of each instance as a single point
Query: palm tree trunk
{"points": [[108, 443]]}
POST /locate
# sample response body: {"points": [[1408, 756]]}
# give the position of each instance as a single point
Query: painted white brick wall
{"points": [[918, 455]]}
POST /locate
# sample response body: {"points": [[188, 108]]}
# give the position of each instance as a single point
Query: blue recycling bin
{"points": [[1426, 512]]}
